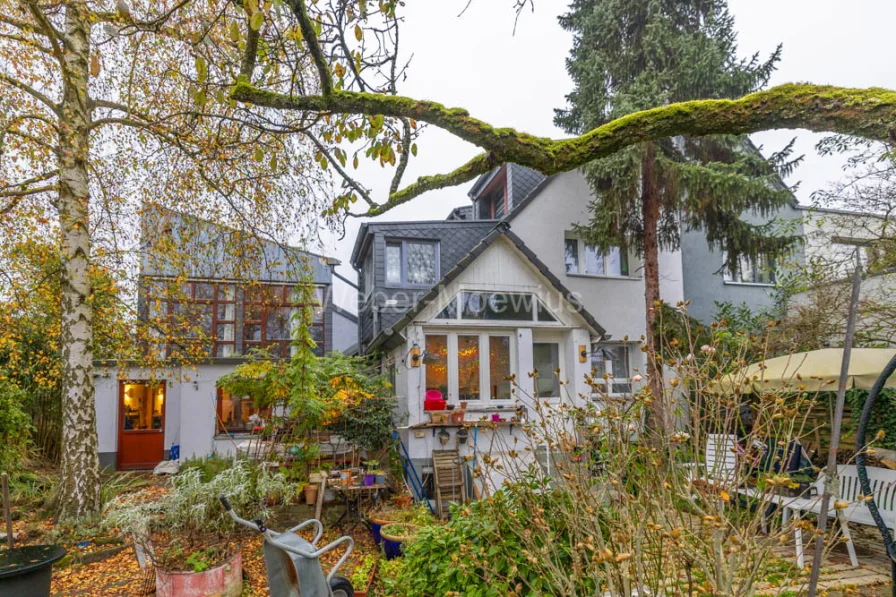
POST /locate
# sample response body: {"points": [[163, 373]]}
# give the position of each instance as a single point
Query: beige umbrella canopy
{"points": [[814, 371]]}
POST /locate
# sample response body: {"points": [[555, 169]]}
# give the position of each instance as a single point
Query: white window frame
{"points": [[754, 268], [403, 244], [458, 311], [580, 261], [484, 372], [615, 379]]}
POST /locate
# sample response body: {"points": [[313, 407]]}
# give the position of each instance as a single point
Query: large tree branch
{"points": [[869, 113]]}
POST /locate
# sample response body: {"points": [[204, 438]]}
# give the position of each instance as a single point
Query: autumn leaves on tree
{"points": [[245, 113]]}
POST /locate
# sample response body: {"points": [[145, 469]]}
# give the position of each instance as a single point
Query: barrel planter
{"points": [[394, 536], [224, 581], [27, 571]]}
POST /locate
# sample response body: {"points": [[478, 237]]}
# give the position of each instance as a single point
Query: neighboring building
{"points": [[207, 296]]}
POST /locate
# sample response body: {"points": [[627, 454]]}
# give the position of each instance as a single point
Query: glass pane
{"points": [[143, 406], [572, 255], [436, 348], [501, 306], [226, 292], [317, 334], [614, 262], [252, 313], [225, 331], [205, 291], [543, 313], [421, 263], [594, 261], [278, 323], [252, 332], [546, 359], [468, 367], [226, 311], [499, 367], [765, 273], [224, 350], [450, 310], [393, 264], [236, 413]]}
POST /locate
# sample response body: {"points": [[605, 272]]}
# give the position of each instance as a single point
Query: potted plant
{"points": [[370, 474], [188, 536], [395, 535]]}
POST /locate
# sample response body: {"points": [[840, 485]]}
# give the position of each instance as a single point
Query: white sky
{"points": [[475, 61]]}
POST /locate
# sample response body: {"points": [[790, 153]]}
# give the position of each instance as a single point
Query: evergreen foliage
{"points": [[630, 55]]}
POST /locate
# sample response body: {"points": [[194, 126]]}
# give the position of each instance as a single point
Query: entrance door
{"points": [[141, 424]]}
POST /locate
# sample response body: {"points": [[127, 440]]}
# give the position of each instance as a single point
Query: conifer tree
{"points": [[630, 55]]}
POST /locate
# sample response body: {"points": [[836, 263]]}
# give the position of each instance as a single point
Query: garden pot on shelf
{"points": [[457, 417], [462, 435], [380, 479], [225, 580], [311, 491], [27, 571], [438, 417], [394, 536], [369, 479]]}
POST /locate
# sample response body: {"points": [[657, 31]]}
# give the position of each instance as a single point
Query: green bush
{"points": [[15, 426], [883, 417]]}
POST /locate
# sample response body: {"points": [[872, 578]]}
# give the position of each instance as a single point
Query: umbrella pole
{"points": [[832, 484]]}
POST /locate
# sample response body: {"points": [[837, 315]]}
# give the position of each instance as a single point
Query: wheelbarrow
{"points": [[293, 563]]}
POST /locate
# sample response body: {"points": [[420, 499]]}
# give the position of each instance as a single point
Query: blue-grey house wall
{"points": [[704, 283]]}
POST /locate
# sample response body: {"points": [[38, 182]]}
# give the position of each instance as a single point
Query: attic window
{"points": [[497, 306]]}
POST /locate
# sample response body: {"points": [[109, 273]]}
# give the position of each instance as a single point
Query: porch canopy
{"points": [[814, 371]]}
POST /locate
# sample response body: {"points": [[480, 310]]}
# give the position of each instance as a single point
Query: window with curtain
{"points": [[582, 258], [750, 271], [411, 263]]}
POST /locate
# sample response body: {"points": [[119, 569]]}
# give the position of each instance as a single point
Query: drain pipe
{"points": [[863, 472]]}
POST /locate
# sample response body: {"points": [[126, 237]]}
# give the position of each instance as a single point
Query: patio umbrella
{"points": [[814, 371]]}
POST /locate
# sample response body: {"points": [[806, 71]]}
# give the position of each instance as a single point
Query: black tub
{"points": [[26, 571]]}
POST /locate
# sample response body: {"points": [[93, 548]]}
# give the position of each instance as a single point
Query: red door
{"points": [[141, 424]]}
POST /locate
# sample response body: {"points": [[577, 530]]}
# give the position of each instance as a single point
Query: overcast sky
{"points": [[476, 61]]}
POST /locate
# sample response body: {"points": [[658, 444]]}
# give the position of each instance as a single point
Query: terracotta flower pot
{"points": [[311, 494], [224, 581]]}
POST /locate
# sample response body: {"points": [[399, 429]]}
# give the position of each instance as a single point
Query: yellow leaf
{"points": [[256, 21], [234, 32], [725, 497], [358, 33], [95, 65]]}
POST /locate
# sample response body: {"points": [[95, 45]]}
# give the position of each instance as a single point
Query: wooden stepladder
{"points": [[448, 478]]}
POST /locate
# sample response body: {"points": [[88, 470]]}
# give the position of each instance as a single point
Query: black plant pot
{"points": [[27, 571]]}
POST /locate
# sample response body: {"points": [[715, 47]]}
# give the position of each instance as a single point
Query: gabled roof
{"points": [[414, 228], [389, 337]]}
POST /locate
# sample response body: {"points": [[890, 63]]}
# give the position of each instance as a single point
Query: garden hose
{"points": [[863, 472]]}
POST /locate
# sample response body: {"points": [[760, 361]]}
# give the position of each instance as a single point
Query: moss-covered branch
{"points": [[868, 113]]}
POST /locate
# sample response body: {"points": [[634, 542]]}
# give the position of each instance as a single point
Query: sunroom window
{"points": [[469, 366], [496, 306]]}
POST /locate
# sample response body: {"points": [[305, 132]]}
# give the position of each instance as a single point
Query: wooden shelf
{"points": [[466, 424]]}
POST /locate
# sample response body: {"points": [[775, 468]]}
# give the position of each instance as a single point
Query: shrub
{"points": [[15, 426], [190, 518]]}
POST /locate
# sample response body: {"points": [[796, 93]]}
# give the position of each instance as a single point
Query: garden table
{"points": [[353, 497]]}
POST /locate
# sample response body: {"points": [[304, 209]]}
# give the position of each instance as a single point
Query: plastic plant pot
{"points": [[369, 479], [27, 571], [394, 536]]}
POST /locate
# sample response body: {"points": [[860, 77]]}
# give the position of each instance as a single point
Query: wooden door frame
{"points": [[120, 430]]}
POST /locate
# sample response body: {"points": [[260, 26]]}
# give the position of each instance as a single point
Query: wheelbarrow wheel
{"points": [[341, 587]]}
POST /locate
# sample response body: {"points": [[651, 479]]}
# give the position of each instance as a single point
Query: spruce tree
{"points": [[629, 55]]}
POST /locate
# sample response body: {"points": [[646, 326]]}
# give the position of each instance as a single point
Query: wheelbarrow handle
{"points": [[255, 527], [310, 521]]}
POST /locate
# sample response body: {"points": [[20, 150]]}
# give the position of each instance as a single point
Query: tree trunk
{"points": [[650, 215], [79, 487]]}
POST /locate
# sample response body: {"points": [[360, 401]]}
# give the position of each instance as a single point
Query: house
{"points": [[425, 309], [207, 295]]}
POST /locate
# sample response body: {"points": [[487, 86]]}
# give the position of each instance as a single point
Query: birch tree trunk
{"points": [[650, 215], [79, 488]]}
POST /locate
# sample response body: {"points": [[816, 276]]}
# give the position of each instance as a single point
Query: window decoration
{"points": [[582, 258], [411, 263], [611, 368], [497, 306]]}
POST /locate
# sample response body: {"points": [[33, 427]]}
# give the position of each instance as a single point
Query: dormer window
{"points": [[412, 262]]}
